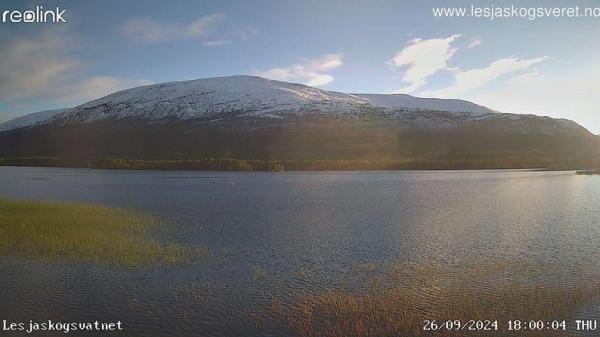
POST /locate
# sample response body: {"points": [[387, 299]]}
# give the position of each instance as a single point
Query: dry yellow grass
{"points": [[386, 308], [84, 233]]}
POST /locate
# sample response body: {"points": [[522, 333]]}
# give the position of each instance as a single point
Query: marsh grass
{"points": [[397, 301], [395, 312], [84, 233]]}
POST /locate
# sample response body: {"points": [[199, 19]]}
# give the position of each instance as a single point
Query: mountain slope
{"points": [[254, 118], [34, 119], [432, 104], [245, 96]]}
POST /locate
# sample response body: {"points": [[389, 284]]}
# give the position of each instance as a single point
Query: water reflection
{"points": [[301, 234]]}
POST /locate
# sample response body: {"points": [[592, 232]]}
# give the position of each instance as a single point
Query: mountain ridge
{"points": [[257, 96], [251, 118]]}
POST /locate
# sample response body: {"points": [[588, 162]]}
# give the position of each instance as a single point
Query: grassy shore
{"points": [[397, 301], [83, 233], [398, 312]]}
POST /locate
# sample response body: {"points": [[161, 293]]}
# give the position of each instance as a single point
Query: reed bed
{"points": [[396, 303], [84, 233]]}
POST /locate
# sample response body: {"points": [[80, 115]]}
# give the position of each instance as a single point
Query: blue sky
{"points": [[547, 66]]}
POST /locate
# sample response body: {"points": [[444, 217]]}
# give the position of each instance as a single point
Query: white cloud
{"points": [[327, 62], [423, 58], [29, 66], [44, 69], [310, 72], [202, 25], [217, 43], [466, 81], [209, 29], [475, 42], [149, 30]]}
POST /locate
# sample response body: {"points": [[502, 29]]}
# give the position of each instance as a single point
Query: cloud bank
{"points": [[466, 81], [149, 30], [572, 96], [43, 67], [508, 84], [421, 59], [208, 28]]}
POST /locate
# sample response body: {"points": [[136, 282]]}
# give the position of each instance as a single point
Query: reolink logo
{"points": [[37, 15]]}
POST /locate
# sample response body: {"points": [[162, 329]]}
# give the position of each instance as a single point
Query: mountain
{"points": [[243, 96], [246, 117]]}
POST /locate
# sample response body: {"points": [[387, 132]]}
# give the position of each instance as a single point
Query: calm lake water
{"points": [[301, 233]]}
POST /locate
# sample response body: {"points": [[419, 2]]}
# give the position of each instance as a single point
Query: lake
{"points": [[291, 235]]}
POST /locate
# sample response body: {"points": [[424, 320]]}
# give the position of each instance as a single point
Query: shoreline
{"points": [[296, 165], [540, 169]]}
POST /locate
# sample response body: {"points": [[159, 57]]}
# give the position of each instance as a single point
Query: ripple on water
{"points": [[276, 240]]}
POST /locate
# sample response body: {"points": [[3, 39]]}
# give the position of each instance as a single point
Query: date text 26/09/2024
{"points": [[511, 325]]}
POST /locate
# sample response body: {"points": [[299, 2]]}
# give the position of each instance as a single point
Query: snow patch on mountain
{"points": [[205, 98], [247, 96], [412, 103], [213, 99], [34, 119]]}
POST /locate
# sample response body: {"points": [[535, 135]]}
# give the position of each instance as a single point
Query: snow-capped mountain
{"points": [[240, 96], [249, 117]]}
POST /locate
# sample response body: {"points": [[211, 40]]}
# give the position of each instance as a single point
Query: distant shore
{"points": [[249, 165]]}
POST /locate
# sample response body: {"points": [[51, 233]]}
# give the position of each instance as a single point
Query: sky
{"points": [[546, 66]]}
